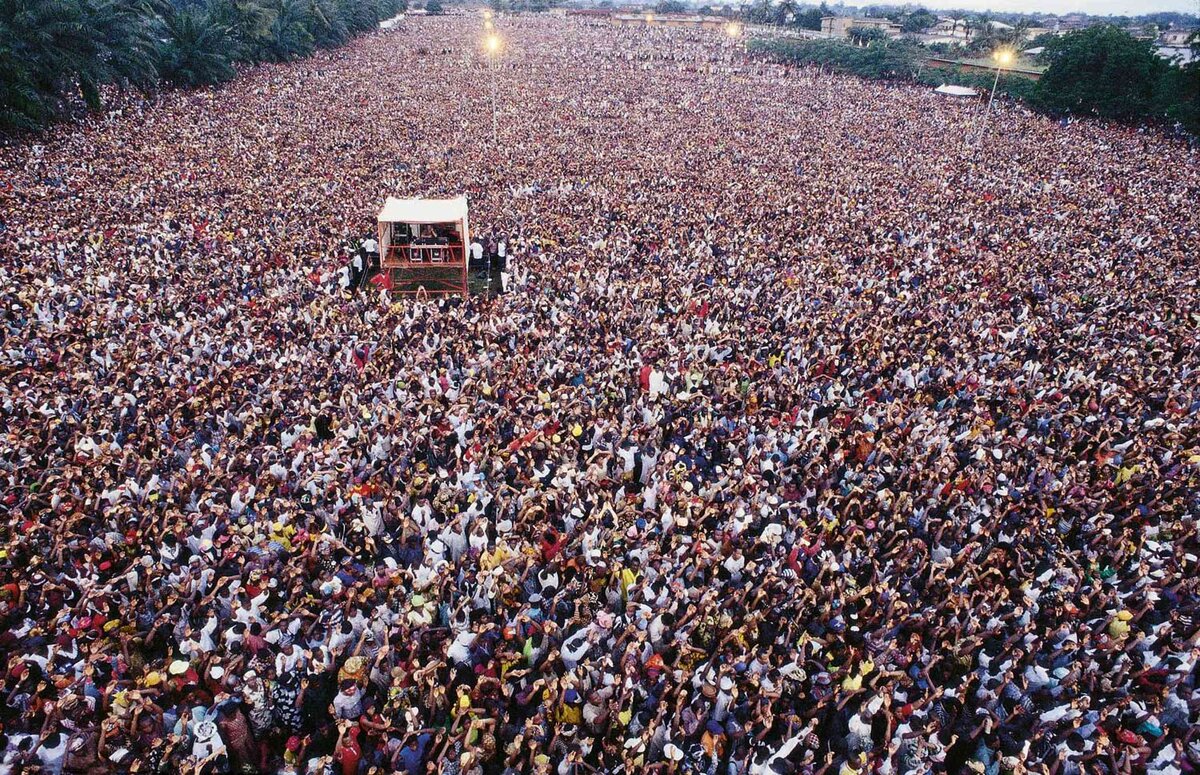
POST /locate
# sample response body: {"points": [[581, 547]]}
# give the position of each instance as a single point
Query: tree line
{"points": [[1100, 71], [59, 58]]}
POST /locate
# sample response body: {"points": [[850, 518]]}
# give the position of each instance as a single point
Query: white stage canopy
{"points": [[423, 210]]}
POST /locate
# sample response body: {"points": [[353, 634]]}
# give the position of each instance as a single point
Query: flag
{"points": [[383, 280]]}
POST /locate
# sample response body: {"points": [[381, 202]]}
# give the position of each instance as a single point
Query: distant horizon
{"points": [[1063, 7], [1029, 7]]}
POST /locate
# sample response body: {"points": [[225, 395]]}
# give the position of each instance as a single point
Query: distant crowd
{"points": [[822, 429]]}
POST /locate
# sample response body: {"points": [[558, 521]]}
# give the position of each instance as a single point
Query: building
{"points": [[1175, 38], [949, 28], [1074, 21], [839, 26]]}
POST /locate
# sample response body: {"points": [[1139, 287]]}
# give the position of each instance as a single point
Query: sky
{"points": [[1096, 7]]}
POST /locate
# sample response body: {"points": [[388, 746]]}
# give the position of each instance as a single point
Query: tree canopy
{"points": [[57, 57], [1104, 71], [917, 20]]}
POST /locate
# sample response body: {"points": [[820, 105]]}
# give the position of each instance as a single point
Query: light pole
{"points": [[1004, 58], [493, 44]]}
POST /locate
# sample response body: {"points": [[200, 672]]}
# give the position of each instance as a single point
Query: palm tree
{"points": [[785, 12], [249, 23], [291, 32], [125, 45], [196, 47], [22, 104], [329, 27]]}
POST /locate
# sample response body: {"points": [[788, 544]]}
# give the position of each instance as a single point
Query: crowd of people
{"points": [[821, 428]]}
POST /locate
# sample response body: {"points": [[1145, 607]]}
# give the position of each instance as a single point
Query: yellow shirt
{"points": [[628, 579], [494, 558]]}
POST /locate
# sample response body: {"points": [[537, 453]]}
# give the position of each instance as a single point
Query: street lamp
{"points": [[1004, 58], [733, 30], [492, 44], [487, 25]]}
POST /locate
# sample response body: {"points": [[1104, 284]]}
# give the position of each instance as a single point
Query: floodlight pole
{"points": [[991, 99], [495, 120]]}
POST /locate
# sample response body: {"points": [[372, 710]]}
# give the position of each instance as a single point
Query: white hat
{"points": [[673, 752], [178, 667]]}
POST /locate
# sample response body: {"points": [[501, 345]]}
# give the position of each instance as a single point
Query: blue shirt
{"points": [[410, 758]]}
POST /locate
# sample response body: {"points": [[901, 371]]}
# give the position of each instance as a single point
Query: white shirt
{"points": [[459, 650]]}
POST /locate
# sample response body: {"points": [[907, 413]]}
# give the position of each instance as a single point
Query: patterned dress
{"points": [[288, 716], [259, 707]]}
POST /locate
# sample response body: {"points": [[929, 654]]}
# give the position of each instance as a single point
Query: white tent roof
{"points": [[956, 91], [423, 210]]}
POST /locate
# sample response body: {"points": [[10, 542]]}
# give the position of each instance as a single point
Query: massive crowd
{"points": [[820, 431]]}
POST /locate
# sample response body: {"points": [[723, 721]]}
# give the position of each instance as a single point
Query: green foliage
{"points": [[810, 18], [1182, 90], [918, 20], [46, 57], [863, 36], [1103, 71], [760, 12], [784, 13], [291, 32], [58, 56], [248, 25], [434, 7], [888, 59], [670, 6], [194, 54], [989, 37]]}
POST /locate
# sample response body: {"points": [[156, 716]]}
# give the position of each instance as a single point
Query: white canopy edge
{"points": [[423, 210], [956, 91]]}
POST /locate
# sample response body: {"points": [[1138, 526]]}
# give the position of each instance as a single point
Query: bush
{"points": [[888, 59]]}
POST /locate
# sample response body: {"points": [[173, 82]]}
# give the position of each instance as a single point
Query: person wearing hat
{"points": [[206, 742]]}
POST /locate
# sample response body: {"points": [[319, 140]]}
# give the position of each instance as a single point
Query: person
{"points": [[358, 269]]}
